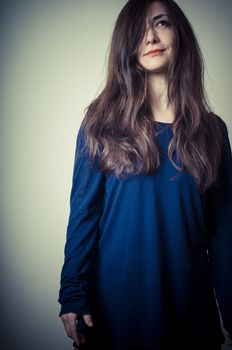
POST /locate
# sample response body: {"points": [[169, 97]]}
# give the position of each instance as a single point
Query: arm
{"points": [[219, 227], [86, 201]]}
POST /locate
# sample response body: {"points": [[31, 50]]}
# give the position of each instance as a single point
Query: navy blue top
{"points": [[148, 255]]}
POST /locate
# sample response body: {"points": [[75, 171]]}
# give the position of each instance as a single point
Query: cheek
{"points": [[172, 39], [138, 55], [141, 49]]}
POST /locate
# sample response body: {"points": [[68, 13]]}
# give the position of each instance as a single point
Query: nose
{"points": [[151, 35]]}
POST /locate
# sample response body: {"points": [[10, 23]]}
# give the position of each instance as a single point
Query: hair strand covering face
{"points": [[118, 123]]}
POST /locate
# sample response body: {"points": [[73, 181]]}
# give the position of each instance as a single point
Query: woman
{"points": [[149, 241]]}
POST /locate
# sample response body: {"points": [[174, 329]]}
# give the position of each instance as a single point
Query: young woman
{"points": [[148, 254]]}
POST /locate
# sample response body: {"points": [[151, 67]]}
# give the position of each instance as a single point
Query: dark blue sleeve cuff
{"points": [[75, 307]]}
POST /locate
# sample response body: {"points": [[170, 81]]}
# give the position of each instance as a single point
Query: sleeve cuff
{"points": [[75, 307]]}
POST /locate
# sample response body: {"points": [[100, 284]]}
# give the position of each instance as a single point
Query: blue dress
{"points": [[149, 256]]}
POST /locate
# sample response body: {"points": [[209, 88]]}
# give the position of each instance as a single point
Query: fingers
{"points": [[70, 324], [69, 321], [88, 320]]}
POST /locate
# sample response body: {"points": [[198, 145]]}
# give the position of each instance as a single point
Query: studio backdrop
{"points": [[53, 56]]}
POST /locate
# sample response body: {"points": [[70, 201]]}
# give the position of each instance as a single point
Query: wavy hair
{"points": [[118, 123]]}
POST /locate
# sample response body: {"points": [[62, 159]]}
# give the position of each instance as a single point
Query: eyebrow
{"points": [[157, 17]]}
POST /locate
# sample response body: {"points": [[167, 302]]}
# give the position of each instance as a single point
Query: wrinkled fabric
{"points": [[149, 256]]}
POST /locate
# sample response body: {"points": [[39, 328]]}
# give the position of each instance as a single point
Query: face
{"points": [[159, 35]]}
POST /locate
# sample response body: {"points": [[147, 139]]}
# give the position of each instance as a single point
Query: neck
{"points": [[160, 106]]}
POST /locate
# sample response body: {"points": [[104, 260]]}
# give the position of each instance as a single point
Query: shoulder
{"points": [[220, 123], [85, 147], [226, 145], [81, 139]]}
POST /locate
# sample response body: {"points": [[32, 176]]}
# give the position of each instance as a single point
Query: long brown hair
{"points": [[118, 124]]}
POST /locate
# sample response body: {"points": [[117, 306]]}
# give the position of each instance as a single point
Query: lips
{"points": [[154, 51]]}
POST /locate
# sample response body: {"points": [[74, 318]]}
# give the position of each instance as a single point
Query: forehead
{"points": [[154, 9]]}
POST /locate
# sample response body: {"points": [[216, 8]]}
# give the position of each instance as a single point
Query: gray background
{"points": [[53, 56]]}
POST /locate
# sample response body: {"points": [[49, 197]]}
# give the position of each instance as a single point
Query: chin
{"points": [[156, 69]]}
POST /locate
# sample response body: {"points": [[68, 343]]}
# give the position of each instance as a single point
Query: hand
{"points": [[69, 321]]}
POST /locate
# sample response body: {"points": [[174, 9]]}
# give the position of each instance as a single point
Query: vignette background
{"points": [[53, 56]]}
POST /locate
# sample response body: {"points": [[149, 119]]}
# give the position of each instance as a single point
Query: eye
{"points": [[166, 23]]}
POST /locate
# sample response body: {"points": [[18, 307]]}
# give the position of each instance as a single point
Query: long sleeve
{"points": [[219, 226], [86, 201]]}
